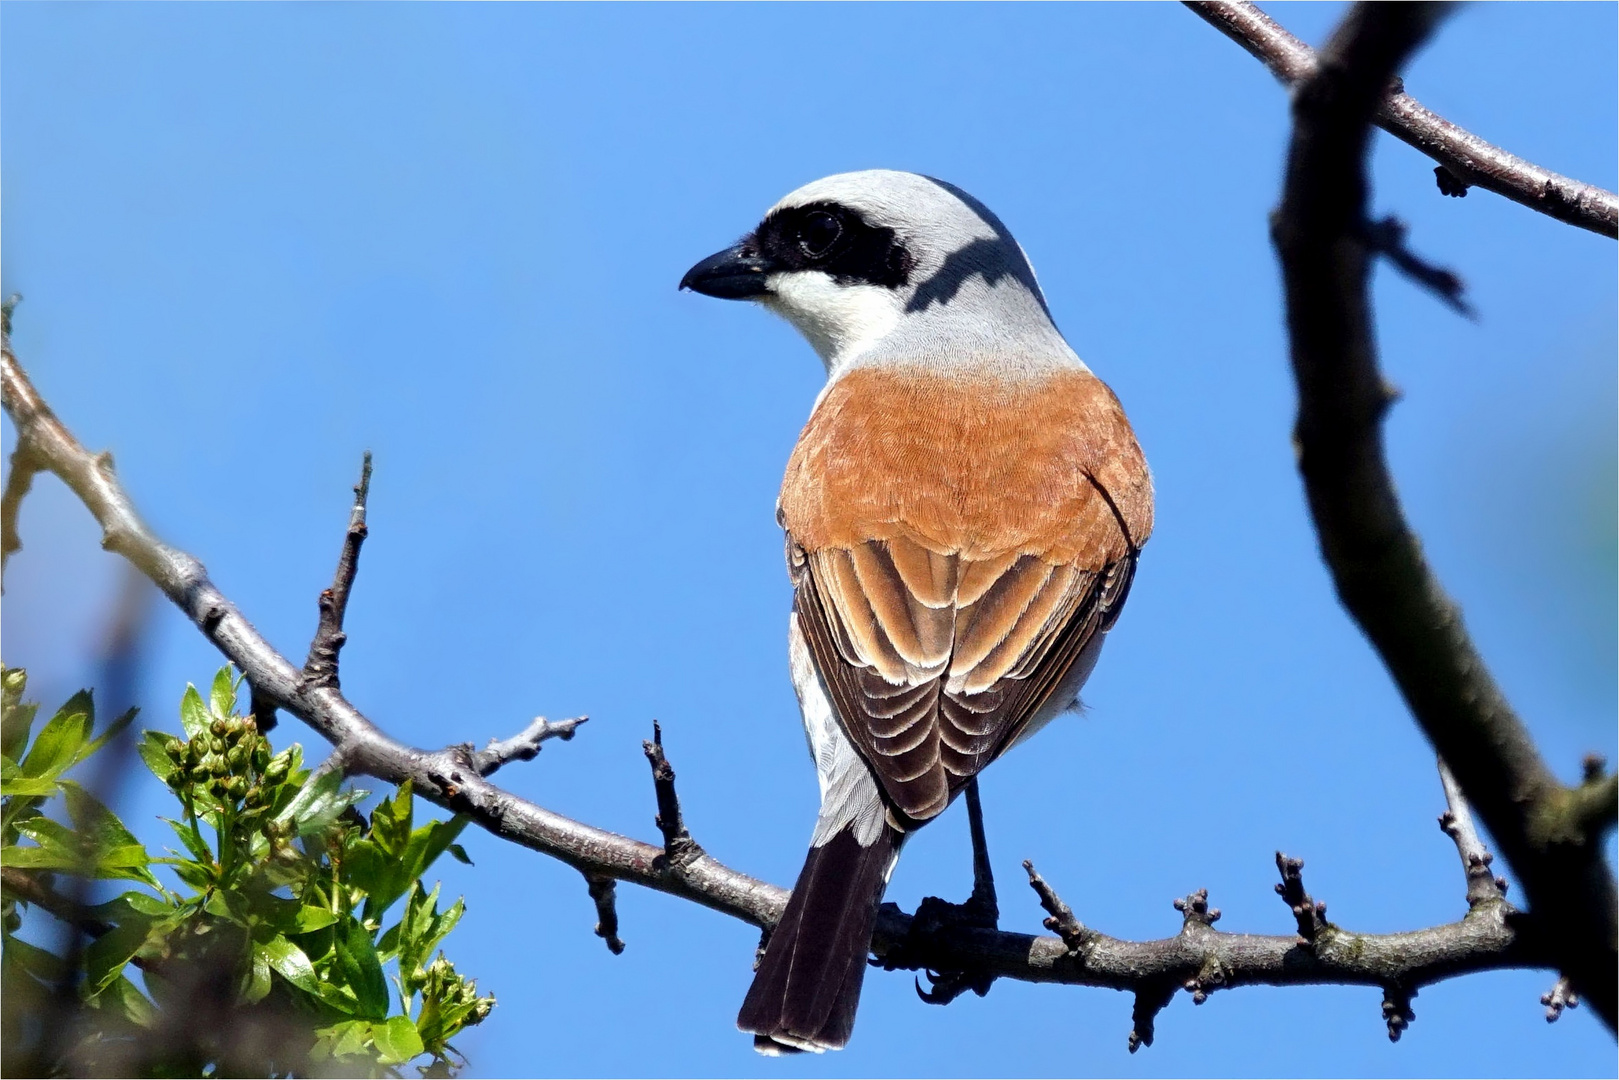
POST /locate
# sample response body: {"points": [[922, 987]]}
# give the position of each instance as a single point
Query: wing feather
{"points": [[926, 732]]}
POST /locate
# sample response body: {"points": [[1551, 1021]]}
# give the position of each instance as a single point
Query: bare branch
{"points": [[1199, 955], [1309, 914], [523, 746], [1397, 1011], [1150, 1001], [603, 890], [1060, 918], [1457, 823], [320, 669], [1561, 996], [678, 846], [1376, 562], [1464, 158]]}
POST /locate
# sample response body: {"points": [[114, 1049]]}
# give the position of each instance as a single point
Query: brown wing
{"points": [[955, 544], [935, 674]]}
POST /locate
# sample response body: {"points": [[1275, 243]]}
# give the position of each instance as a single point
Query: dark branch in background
{"points": [[31, 889], [1550, 834], [1464, 158], [1199, 956]]}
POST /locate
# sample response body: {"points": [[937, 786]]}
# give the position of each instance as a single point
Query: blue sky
{"points": [[256, 240]]}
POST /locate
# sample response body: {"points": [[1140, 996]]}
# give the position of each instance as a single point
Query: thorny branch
{"points": [[1550, 834], [1199, 957], [1464, 158]]}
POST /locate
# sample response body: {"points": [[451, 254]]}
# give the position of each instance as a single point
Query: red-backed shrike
{"points": [[963, 511]]}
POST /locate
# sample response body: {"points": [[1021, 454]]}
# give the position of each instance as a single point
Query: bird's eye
{"points": [[818, 233]]}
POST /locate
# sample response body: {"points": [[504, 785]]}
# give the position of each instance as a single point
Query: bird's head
{"points": [[880, 264]]}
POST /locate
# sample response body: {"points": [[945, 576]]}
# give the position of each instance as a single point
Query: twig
{"points": [[24, 465], [678, 846], [1482, 942], [603, 890], [1150, 1001], [1561, 996], [1060, 918], [523, 746], [1309, 914], [1387, 238], [1397, 1011], [1463, 157], [1457, 823], [320, 669], [1376, 562]]}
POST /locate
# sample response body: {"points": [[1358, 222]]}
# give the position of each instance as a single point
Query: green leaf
{"points": [[397, 1041], [192, 839], [381, 877], [317, 804], [133, 905], [193, 713], [289, 961], [113, 730], [311, 919], [429, 842], [256, 985], [347, 1038], [42, 965], [459, 853], [391, 820], [361, 971], [93, 820], [59, 740], [197, 875], [222, 695], [106, 956], [19, 786], [122, 996], [14, 729], [154, 750], [427, 928]]}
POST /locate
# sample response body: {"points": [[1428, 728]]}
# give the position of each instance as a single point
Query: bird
{"points": [[963, 515]]}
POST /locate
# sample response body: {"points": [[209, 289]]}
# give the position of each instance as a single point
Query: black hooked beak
{"points": [[732, 274]]}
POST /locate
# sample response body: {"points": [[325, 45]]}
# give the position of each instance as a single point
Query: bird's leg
{"points": [[934, 915], [982, 904]]}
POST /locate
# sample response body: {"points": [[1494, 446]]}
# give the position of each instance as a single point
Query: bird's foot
{"points": [[931, 928]]}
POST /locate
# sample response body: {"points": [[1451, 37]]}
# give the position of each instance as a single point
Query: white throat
{"points": [[839, 321]]}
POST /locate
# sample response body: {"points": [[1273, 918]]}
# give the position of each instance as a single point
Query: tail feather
{"points": [[807, 987]]}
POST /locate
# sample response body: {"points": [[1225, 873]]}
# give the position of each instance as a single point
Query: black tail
{"points": [[807, 988]]}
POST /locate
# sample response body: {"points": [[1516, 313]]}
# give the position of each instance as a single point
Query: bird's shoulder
{"points": [[980, 465]]}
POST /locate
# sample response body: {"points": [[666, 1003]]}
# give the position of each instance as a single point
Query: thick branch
{"points": [[1200, 956], [1464, 158], [1376, 562]]}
